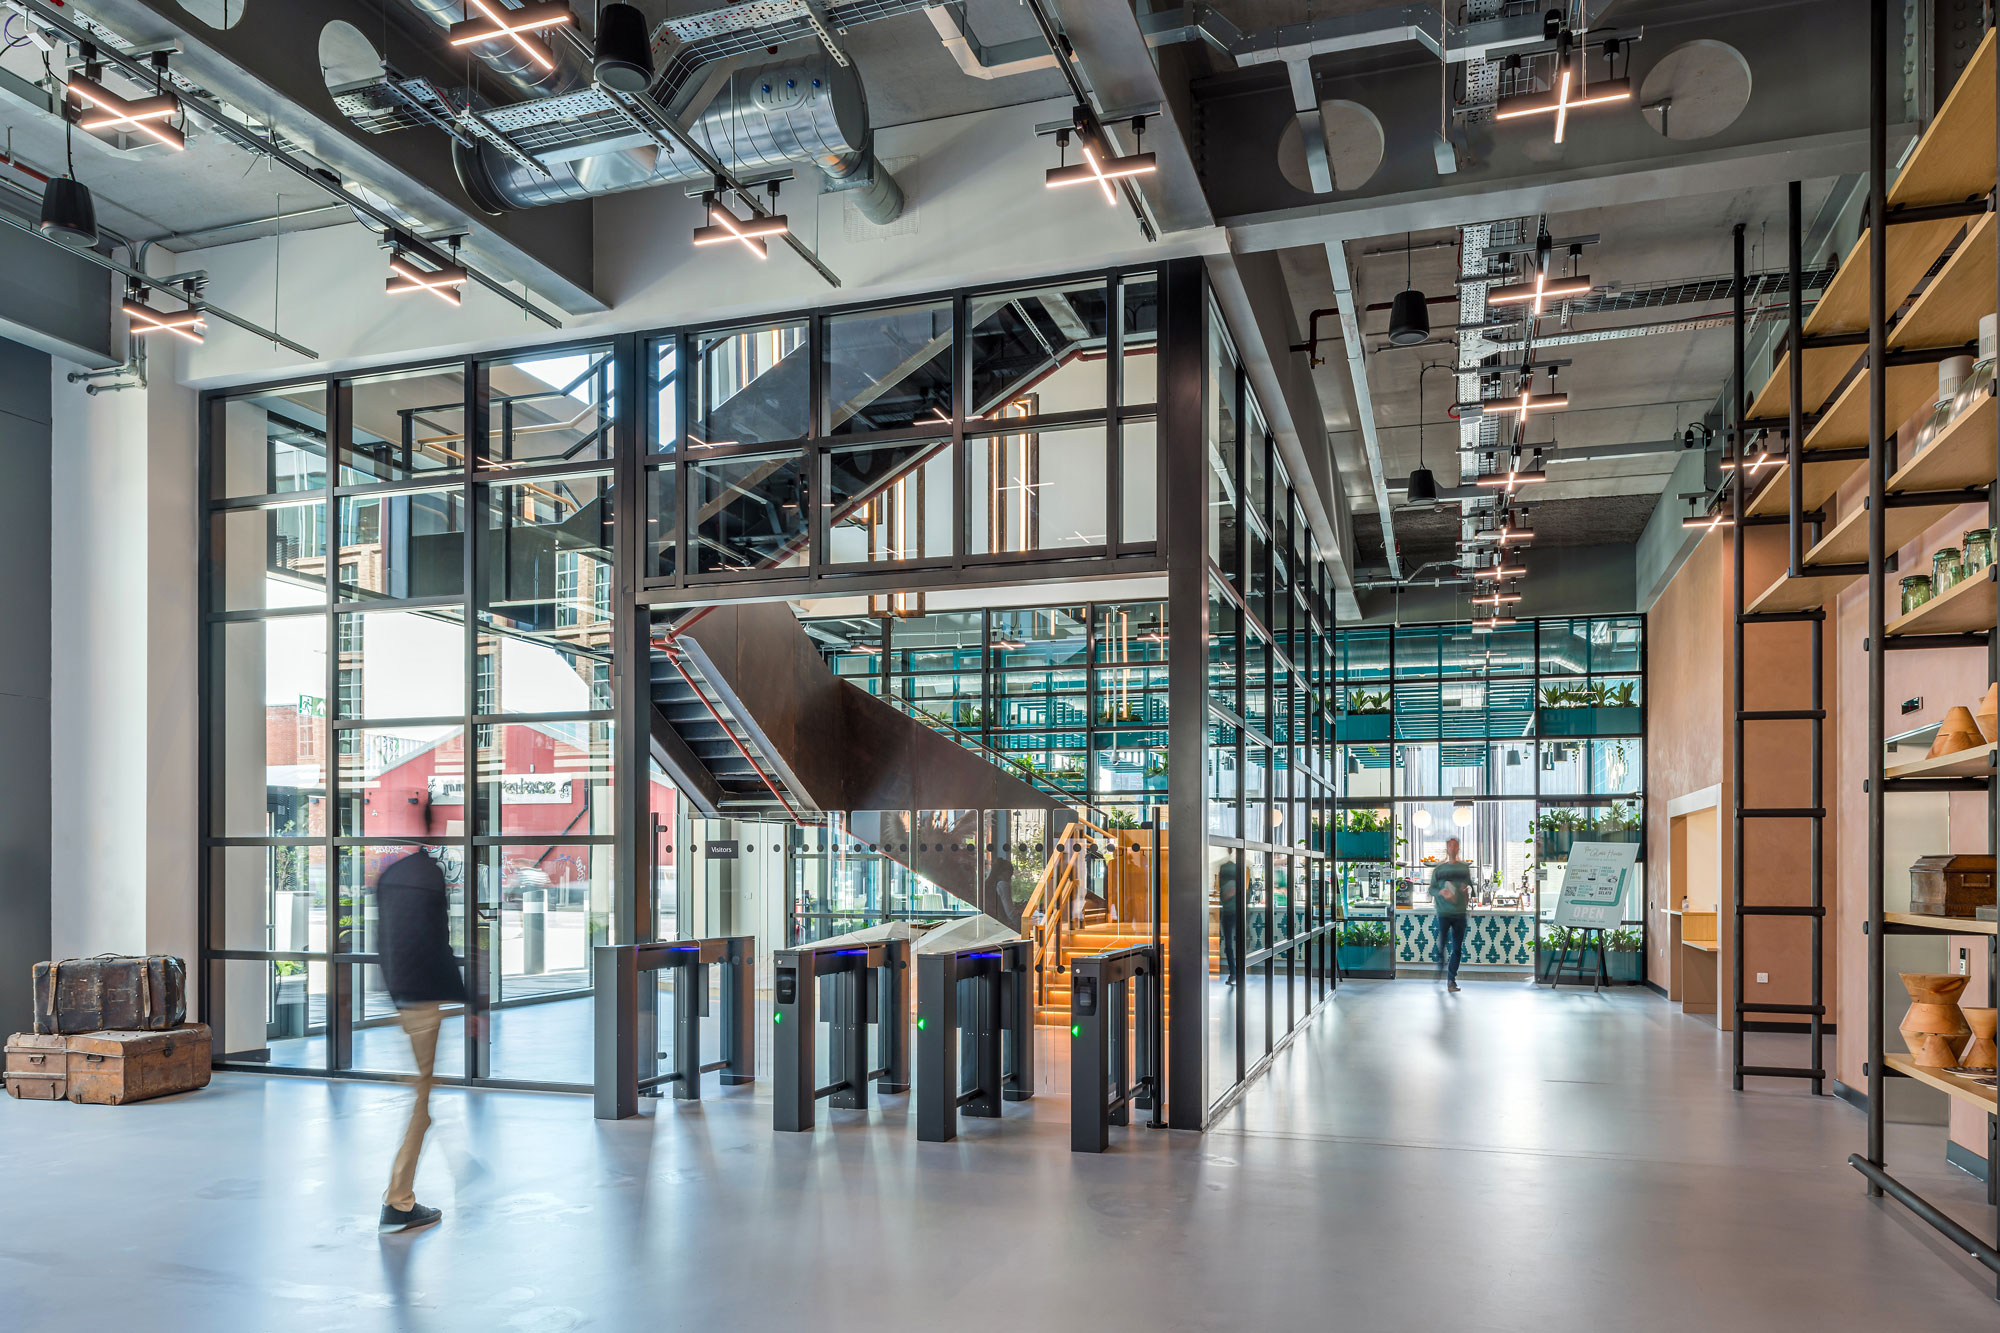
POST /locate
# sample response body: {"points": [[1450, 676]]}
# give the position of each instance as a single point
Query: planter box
{"points": [[1375, 846], [1364, 727], [1367, 960], [1587, 721], [1555, 846], [1623, 966]]}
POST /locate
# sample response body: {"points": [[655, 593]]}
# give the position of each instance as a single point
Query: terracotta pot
{"points": [[1958, 731], [1988, 716], [1980, 1054], [1935, 1027]]}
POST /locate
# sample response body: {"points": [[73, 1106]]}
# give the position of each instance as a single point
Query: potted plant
{"points": [[1598, 708], [1622, 955], [1368, 717], [1363, 835], [1366, 949], [1559, 828]]}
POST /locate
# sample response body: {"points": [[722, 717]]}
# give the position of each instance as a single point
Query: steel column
{"points": [[1878, 169], [1736, 483]]}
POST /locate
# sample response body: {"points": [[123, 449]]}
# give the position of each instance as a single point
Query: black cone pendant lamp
{"points": [[68, 211], [1409, 315], [1423, 487], [624, 53]]}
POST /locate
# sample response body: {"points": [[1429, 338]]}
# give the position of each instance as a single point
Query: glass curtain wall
{"points": [[988, 428], [409, 605], [1268, 782], [1519, 742]]}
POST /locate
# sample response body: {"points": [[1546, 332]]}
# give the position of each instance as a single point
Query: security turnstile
{"points": [[983, 995], [1114, 1062], [856, 984], [624, 1029]]}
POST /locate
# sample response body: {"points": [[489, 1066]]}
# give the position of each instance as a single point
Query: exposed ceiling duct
{"points": [[794, 113], [790, 113]]}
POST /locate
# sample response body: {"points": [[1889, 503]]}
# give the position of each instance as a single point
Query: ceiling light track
{"points": [[1060, 48], [50, 16]]}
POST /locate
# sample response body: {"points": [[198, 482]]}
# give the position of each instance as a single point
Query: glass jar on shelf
{"points": [[1953, 371], [1916, 591], [1947, 570], [1978, 551]]}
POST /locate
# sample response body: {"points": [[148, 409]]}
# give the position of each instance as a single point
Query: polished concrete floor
{"points": [[1500, 1159]]}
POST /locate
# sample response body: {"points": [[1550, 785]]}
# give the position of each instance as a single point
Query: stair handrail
{"points": [[1012, 765]]}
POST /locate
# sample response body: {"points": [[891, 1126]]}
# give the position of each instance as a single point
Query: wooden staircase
{"points": [[1065, 920]]}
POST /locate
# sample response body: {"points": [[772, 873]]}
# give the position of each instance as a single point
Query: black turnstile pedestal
{"points": [[862, 983], [994, 1015], [624, 1029]]}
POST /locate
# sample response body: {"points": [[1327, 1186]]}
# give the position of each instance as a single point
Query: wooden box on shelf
{"points": [[1951, 885]]}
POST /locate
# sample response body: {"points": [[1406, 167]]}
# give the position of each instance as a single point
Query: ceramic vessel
{"points": [[1981, 1052], [1958, 731], [1988, 716], [1935, 1027]]}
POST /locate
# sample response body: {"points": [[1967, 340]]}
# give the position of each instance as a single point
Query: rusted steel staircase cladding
{"points": [[837, 747]]}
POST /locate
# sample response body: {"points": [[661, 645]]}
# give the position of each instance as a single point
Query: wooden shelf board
{"points": [[1974, 763], [1963, 609], [1954, 158], [1961, 1089], [1801, 594], [1822, 481], [1950, 925], [1706, 946], [1846, 542], [1948, 311], [1822, 373], [1960, 457], [1844, 424], [1913, 248]]}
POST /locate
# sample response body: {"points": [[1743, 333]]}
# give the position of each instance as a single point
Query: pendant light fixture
{"points": [[187, 323], [1515, 476], [409, 273], [1101, 164], [68, 212], [724, 226], [622, 58], [1423, 488], [487, 21], [1409, 315], [1567, 92]]}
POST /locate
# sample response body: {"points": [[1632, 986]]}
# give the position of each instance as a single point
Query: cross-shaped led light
{"points": [[1504, 534], [1525, 402], [1497, 599], [1511, 479], [1492, 623], [1755, 463], [118, 113], [511, 25], [1503, 570], [1543, 288], [725, 226], [1567, 96], [186, 324], [1707, 522], [442, 282], [1100, 167]]}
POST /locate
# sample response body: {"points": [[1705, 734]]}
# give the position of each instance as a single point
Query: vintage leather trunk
{"points": [[1951, 885], [37, 1067], [110, 992], [112, 1068]]}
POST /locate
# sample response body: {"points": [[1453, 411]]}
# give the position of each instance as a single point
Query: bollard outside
{"points": [[534, 931]]}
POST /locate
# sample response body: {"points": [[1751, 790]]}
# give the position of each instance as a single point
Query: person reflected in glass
{"points": [[1451, 895], [1230, 900], [421, 976]]}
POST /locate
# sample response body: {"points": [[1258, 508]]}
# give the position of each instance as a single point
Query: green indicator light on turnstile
{"points": [[1076, 1030], [777, 1018], [922, 1023]]}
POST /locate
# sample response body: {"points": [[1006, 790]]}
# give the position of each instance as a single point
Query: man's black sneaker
{"points": [[409, 1219]]}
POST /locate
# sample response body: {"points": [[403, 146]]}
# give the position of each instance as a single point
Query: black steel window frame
{"points": [[818, 576], [474, 481]]}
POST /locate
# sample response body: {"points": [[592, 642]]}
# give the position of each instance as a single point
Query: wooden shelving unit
{"points": [[1846, 543], [1965, 609], [1843, 306], [1974, 763], [1822, 481], [1954, 158], [1963, 1089], [1947, 925], [1948, 311], [1960, 457], [1844, 424]]}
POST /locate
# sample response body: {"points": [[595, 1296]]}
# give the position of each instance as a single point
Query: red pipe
{"points": [[675, 659]]}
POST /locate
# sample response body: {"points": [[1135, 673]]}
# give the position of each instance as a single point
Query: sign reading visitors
{"points": [[725, 851], [515, 789], [1593, 891]]}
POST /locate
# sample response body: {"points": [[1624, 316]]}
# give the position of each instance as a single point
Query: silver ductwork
{"points": [[788, 113], [508, 60]]}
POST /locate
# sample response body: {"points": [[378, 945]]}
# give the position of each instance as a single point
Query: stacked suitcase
{"points": [[108, 1030]]}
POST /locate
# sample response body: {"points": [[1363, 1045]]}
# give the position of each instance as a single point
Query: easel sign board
{"points": [[1593, 891]]}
